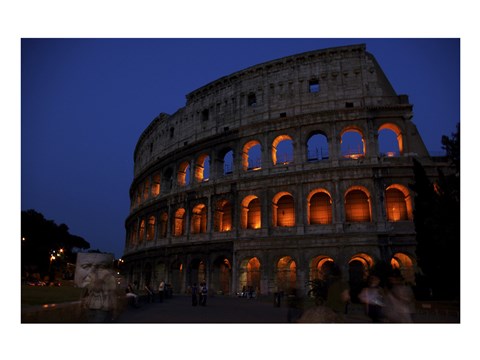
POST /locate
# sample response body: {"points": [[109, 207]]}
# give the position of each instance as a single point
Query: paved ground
{"points": [[220, 309]]}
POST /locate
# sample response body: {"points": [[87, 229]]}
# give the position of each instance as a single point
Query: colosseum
{"points": [[252, 183]]}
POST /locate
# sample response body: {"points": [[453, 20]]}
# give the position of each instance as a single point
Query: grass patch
{"points": [[39, 295]]}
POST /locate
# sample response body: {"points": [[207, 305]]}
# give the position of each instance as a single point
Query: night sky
{"points": [[85, 102]]}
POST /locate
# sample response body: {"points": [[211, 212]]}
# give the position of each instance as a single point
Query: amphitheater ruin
{"points": [[271, 174]]}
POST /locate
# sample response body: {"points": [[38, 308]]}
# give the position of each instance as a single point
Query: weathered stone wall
{"points": [[327, 91]]}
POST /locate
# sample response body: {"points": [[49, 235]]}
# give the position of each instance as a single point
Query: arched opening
{"points": [[358, 270], [160, 272], [134, 234], [282, 150], [405, 265], [146, 189], [176, 270], [249, 274], [251, 213], [168, 179], [398, 203], [147, 274], [179, 222], [162, 227], [228, 163], [199, 219], [320, 267], [353, 144], [141, 231], [357, 206], [202, 168], [319, 207], [283, 210], [223, 216], [151, 228], [156, 185], [221, 276], [317, 147], [252, 156], [390, 140], [183, 174], [286, 274], [198, 272]]}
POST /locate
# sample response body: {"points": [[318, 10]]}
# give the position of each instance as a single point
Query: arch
{"points": [[176, 271], [151, 228], [168, 178], [286, 274], [357, 205], [221, 276], [353, 143], [199, 219], [162, 226], [390, 140], [319, 207], [134, 234], [317, 147], [179, 222], [398, 203], [156, 185], [358, 270], [251, 213], [405, 265], [228, 162], [320, 267], [141, 231], [183, 174], [223, 216], [283, 210], [198, 271], [252, 156], [249, 273], [202, 168], [282, 150], [146, 189]]}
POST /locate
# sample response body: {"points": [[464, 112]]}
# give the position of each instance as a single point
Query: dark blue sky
{"points": [[85, 102]]}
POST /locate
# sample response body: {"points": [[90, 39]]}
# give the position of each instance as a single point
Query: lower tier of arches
{"points": [[229, 270]]}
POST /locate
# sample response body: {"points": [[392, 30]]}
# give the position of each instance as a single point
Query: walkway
{"points": [[232, 310]]}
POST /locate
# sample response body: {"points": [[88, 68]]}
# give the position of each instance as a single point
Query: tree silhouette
{"points": [[437, 224], [40, 237]]}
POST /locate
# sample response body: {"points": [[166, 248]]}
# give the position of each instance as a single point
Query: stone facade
{"points": [[216, 198]]}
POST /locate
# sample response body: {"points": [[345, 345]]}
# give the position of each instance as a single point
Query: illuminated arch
{"points": [[179, 222], [357, 205], [320, 267], [286, 157], [399, 138], [223, 216], [286, 271], [398, 203], [251, 213], [183, 174], [141, 231], [319, 207], [156, 185], [405, 264], [351, 146], [199, 219], [202, 168], [249, 273], [249, 162], [151, 228], [283, 209]]}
